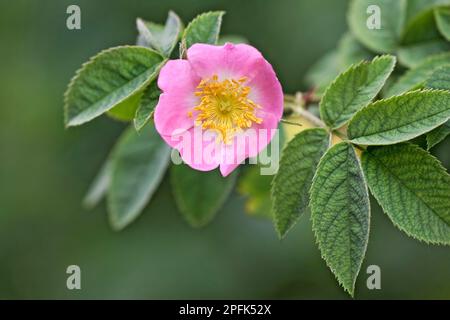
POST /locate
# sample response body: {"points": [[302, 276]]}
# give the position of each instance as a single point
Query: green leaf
{"points": [[354, 89], [198, 194], [255, 187], [340, 213], [437, 135], [412, 188], [138, 164], [413, 55], [421, 28], [415, 78], [161, 38], [400, 118], [109, 78], [415, 7], [99, 187], [421, 39], [147, 104], [205, 28], [126, 110], [385, 39], [290, 187], [443, 21], [440, 78]]}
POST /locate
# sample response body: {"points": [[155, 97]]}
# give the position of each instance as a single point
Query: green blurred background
{"points": [[45, 170]]}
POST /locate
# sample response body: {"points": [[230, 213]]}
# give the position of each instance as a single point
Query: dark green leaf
{"points": [[147, 104], [138, 164], [340, 213], [437, 135], [354, 89], [205, 28], [290, 187], [400, 118], [199, 195], [413, 189], [109, 78]]}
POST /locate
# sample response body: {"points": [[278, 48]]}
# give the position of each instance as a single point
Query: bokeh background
{"points": [[45, 170]]}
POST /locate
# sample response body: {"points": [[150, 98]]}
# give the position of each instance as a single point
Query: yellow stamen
{"points": [[224, 106]]}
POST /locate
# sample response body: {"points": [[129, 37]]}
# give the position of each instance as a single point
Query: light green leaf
{"points": [[161, 38], [340, 213], [99, 186], [400, 118], [126, 110], [147, 104], [138, 164], [440, 78], [199, 195], [255, 187], [415, 7], [205, 28], [415, 78], [385, 39], [443, 21], [290, 187], [413, 55], [412, 188], [354, 89], [421, 39], [109, 78]]}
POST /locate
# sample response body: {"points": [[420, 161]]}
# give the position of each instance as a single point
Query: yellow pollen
{"points": [[224, 106]]}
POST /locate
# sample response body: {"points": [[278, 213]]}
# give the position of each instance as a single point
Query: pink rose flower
{"points": [[224, 93]]}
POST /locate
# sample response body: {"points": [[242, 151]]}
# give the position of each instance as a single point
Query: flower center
{"points": [[224, 106]]}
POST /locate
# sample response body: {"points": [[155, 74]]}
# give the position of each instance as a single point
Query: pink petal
{"points": [[227, 61], [178, 83], [197, 148], [236, 61], [266, 90], [239, 150]]}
